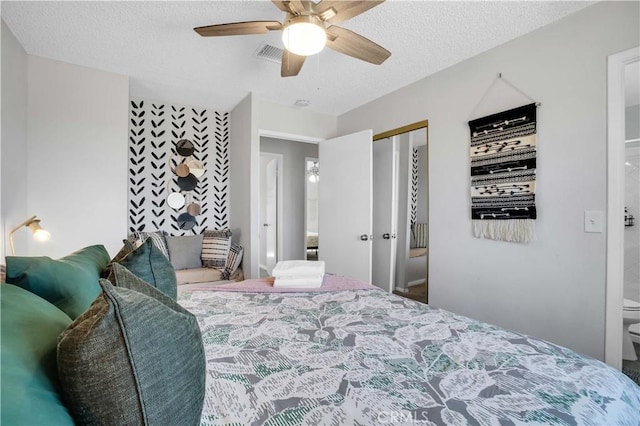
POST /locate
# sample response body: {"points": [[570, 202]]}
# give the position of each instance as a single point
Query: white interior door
{"points": [[345, 205], [384, 205], [271, 214]]}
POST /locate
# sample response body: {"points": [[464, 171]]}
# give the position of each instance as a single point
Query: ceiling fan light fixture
{"points": [[304, 36]]}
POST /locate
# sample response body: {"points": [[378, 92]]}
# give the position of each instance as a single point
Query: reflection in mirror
{"points": [[400, 211], [312, 181], [411, 270]]}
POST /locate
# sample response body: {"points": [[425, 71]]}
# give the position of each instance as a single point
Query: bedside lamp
{"points": [[39, 234]]}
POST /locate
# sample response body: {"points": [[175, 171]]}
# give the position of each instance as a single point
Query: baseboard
{"points": [[401, 289], [416, 282]]}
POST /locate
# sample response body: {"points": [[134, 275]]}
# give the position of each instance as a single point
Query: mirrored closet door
{"points": [[400, 211]]}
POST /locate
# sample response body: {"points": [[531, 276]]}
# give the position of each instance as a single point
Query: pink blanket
{"points": [[330, 283]]}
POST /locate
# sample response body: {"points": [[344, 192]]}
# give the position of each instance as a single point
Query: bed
{"points": [[349, 353]]}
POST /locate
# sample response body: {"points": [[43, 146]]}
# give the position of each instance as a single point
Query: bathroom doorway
{"points": [[622, 270]]}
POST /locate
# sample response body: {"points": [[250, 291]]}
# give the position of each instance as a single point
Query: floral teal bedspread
{"points": [[366, 357]]}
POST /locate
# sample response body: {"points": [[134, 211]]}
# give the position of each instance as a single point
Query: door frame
{"points": [[279, 206], [284, 136], [615, 203]]}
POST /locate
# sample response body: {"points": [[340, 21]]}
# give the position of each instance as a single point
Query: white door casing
{"points": [[345, 205]]}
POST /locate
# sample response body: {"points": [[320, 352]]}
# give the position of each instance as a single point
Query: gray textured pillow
{"points": [[124, 278], [185, 251], [134, 357]]}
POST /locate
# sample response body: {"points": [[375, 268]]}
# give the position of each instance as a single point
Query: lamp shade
{"points": [[39, 234], [304, 37]]}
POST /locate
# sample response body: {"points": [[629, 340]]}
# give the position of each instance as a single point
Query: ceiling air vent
{"points": [[269, 53]]}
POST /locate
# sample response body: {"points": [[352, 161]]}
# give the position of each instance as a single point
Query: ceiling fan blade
{"points": [[355, 45], [239, 28], [291, 64], [336, 12], [294, 7]]}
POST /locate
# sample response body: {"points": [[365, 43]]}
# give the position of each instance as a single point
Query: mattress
{"points": [[352, 354]]}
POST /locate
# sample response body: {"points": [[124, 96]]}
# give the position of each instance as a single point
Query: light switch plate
{"points": [[593, 221]]}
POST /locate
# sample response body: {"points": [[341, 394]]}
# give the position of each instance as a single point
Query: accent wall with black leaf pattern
{"points": [[154, 130]]}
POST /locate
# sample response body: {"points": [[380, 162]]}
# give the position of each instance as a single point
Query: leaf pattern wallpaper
{"points": [[154, 130]]}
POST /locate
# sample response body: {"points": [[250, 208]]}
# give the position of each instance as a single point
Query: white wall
{"points": [[13, 144], [553, 288], [278, 121], [293, 174], [244, 183], [77, 150]]}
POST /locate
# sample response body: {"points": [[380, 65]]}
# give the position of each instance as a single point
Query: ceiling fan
{"points": [[305, 31]]}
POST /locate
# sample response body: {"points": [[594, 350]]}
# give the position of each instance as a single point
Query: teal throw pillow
{"points": [[124, 278], [30, 389], [134, 357], [70, 283], [149, 264]]}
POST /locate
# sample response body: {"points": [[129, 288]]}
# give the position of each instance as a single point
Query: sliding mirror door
{"points": [[400, 214]]}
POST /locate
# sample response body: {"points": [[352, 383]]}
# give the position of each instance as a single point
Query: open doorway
{"points": [[622, 73], [289, 229]]}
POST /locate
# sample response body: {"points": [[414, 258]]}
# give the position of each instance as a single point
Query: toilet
{"points": [[630, 316]]}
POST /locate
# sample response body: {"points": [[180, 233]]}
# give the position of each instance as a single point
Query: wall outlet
{"points": [[593, 221]]}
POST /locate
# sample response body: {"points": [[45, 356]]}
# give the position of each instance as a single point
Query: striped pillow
{"points": [[215, 248], [420, 232], [157, 238], [233, 261]]}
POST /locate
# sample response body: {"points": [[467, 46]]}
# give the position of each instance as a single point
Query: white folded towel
{"points": [[312, 282], [298, 269]]}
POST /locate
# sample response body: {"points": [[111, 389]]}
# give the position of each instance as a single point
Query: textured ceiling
{"points": [[154, 43]]}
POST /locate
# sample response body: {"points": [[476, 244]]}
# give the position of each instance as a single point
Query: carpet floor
{"points": [[632, 368]]}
